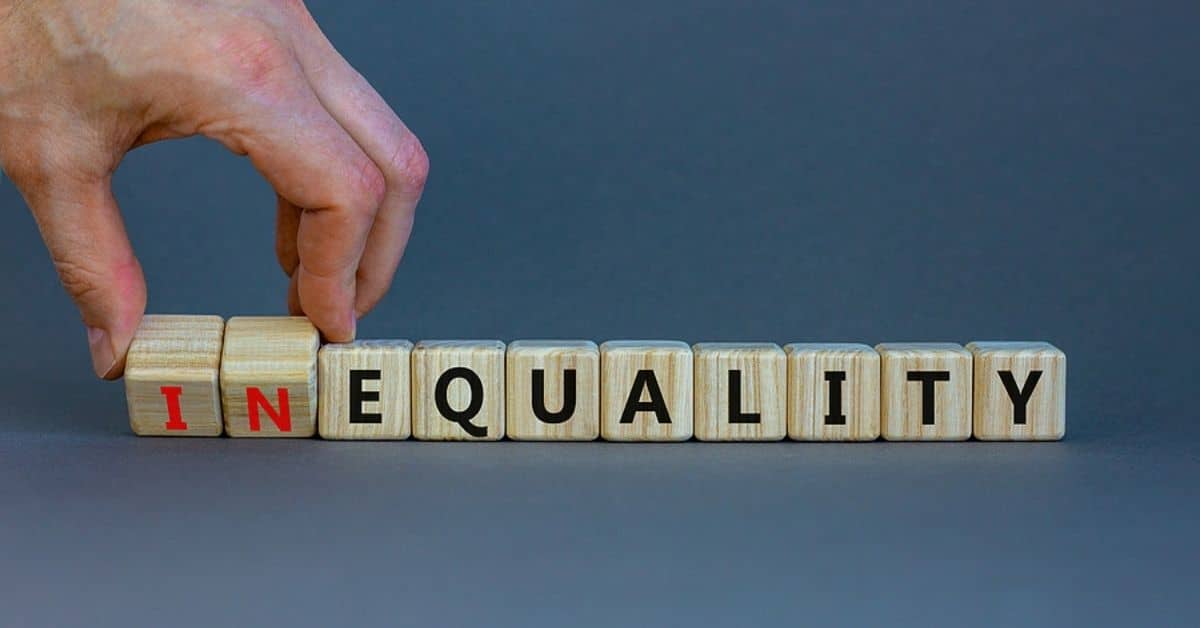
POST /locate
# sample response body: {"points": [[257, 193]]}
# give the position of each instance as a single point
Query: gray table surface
{"points": [[779, 171]]}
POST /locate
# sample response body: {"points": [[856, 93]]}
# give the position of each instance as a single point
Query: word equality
{"points": [[270, 377]]}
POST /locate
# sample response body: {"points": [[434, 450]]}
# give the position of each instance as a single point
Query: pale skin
{"points": [[82, 83]]}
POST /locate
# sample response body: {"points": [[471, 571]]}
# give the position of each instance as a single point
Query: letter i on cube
{"points": [[833, 392], [171, 376]]}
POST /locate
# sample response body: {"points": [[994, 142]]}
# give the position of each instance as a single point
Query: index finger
{"points": [[314, 164]]}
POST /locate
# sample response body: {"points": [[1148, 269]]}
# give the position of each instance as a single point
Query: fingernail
{"points": [[353, 323], [103, 357]]}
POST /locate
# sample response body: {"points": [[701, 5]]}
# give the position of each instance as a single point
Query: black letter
{"points": [[358, 396], [927, 379], [1020, 396], [735, 401], [645, 379], [539, 397], [835, 379], [443, 404]]}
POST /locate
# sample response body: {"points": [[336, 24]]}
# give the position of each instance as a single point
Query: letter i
{"points": [[174, 414]]}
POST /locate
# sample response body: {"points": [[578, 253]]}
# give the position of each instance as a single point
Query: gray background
{"points": [[691, 170]]}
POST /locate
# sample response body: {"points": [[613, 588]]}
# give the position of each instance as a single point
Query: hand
{"points": [[82, 83]]}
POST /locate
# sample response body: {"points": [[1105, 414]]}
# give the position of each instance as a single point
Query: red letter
{"points": [[282, 418], [174, 415]]}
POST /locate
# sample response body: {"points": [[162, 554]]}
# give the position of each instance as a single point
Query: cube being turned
{"points": [[925, 391], [741, 391], [364, 390], [645, 390], [269, 376], [553, 390], [171, 376], [1020, 391], [833, 392], [458, 390]]}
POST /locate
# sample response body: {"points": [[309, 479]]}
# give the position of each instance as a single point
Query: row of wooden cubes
{"points": [[269, 377]]}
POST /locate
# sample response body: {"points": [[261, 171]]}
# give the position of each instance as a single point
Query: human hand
{"points": [[82, 83]]}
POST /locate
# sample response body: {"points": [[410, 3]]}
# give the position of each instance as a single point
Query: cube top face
{"points": [[733, 348], [832, 349], [529, 347], [269, 347], [553, 390], [757, 349], [171, 376], [900, 350], [458, 390], [615, 347], [833, 392], [365, 346], [646, 390], [740, 391], [925, 391], [464, 345], [179, 346], [364, 392], [1020, 391], [1015, 349], [269, 376]]}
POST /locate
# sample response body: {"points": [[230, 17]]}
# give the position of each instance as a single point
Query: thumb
{"points": [[82, 227]]}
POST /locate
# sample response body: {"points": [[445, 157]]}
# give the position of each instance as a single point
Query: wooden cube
{"points": [[553, 390], [171, 376], [925, 391], [646, 390], [833, 392], [741, 391], [269, 376], [364, 390], [458, 390], [1020, 391]]}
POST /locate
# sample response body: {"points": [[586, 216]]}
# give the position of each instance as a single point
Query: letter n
{"points": [[281, 417]]}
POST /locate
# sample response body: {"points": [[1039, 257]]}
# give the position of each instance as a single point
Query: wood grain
{"points": [[431, 360], [809, 391], [258, 376], [1046, 407], [901, 400], [275, 356], [671, 365], [387, 361], [762, 369], [175, 351], [553, 358]]}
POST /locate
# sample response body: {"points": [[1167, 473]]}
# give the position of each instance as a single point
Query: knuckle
{"points": [[93, 284], [409, 163], [370, 187], [80, 281]]}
